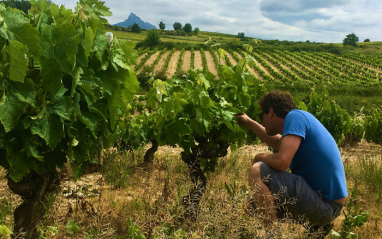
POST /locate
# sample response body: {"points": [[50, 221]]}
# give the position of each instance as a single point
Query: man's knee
{"points": [[254, 172]]}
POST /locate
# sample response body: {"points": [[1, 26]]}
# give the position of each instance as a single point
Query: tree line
{"points": [[178, 29]]}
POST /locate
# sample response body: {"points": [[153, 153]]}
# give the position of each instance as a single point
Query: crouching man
{"points": [[315, 190]]}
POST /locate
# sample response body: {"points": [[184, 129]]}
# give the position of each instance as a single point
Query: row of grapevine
{"points": [[374, 60], [287, 68]]}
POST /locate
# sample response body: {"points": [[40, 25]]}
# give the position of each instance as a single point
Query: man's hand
{"points": [[281, 160], [259, 157], [243, 120]]}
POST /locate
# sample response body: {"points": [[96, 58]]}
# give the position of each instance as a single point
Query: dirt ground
{"points": [[173, 64], [158, 67]]}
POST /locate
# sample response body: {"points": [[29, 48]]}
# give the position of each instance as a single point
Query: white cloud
{"points": [[294, 20]]}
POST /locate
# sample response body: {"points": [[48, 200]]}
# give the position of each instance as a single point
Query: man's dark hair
{"points": [[281, 102]]}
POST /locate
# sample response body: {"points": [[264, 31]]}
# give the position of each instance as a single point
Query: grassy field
{"points": [[199, 39], [129, 199], [223, 38]]}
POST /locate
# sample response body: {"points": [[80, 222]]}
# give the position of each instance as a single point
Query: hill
{"points": [[135, 19]]}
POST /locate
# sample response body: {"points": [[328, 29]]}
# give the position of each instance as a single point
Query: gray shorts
{"points": [[296, 199]]}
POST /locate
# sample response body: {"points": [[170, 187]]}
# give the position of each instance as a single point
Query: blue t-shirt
{"points": [[318, 159]]}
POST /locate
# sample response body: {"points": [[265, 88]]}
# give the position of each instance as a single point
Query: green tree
{"points": [[162, 26], [152, 38], [187, 28], [196, 30], [367, 40], [177, 26], [240, 35], [351, 40], [23, 5], [136, 28]]}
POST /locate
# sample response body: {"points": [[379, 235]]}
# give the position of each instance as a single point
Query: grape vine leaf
{"points": [[18, 61], [60, 46], [50, 128], [10, 111], [20, 165]]}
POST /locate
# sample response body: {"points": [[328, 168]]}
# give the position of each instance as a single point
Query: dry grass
{"points": [[150, 197]]}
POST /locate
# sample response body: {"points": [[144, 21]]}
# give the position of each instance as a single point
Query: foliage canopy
{"points": [[351, 40], [63, 87]]}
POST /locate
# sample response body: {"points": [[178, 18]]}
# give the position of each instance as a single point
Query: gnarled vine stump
{"points": [[33, 190]]}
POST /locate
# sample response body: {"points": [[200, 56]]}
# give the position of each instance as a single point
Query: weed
{"points": [[117, 168], [371, 173], [72, 227], [354, 217], [6, 209], [5, 232], [133, 231]]}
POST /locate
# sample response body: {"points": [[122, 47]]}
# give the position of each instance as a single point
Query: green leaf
{"points": [[222, 53], [53, 230], [204, 116], [72, 227], [227, 73], [51, 161], [18, 61], [88, 41], [59, 48], [24, 92], [352, 235], [160, 89], [174, 105], [10, 111], [131, 85], [93, 8], [245, 100], [250, 60], [101, 46], [19, 164], [133, 230], [91, 122], [335, 234], [51, 75], [50, 128], [176, 130], [205, 101], [27, 35], [228, 189], [114, 111], [201, 80], [5, 232], [62, 106]]}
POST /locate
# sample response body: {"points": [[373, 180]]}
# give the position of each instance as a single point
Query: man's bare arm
{"points": [[282, 159], [259, 130]]}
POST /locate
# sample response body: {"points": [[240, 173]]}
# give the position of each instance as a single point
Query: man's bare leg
{"points": [[262, 196]]}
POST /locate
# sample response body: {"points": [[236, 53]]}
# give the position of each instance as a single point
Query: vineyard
{"points": [[137, 142], [277, 67]]}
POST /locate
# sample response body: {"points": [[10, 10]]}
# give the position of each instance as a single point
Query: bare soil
{"points": [[231, 59], [159, 67], [198, 61], [139, 59], [211, 63], [152, 58], [173, 64], [186, 63]]}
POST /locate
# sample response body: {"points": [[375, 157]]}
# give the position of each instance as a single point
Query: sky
{"points": [[292, 20]]}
